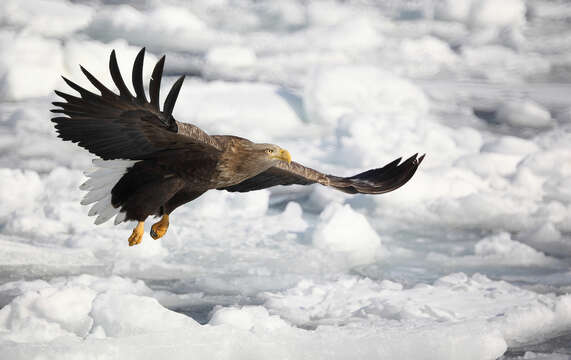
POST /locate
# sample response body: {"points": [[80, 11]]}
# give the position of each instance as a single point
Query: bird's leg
{"points": [[160, 227], [137, 235]]}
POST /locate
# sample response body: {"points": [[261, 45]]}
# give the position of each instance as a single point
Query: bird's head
{"points": [[264, 155], [272, 153], [255, 158]]}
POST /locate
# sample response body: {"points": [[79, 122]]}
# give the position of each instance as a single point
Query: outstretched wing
{"points": [[123, 126], [375, 181]]}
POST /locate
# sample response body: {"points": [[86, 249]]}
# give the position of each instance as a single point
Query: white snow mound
{"points": [[334, 91], [342, 230], [524, 113]]}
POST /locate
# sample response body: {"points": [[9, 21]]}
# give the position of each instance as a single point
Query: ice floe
{"points": [[469, 260]]}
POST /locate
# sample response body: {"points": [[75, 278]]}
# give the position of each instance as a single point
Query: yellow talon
{"points": [[137, 235], [159, 229]]}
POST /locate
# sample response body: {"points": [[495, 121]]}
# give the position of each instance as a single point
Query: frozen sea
{"points": [[469, 260]]}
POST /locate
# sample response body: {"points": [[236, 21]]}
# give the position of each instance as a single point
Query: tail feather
{"points": [[102, 178], [95, 195], [106, 214], [120, 217]]}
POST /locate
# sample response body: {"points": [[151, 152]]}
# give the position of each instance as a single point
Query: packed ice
{"points": [[469, 260]]}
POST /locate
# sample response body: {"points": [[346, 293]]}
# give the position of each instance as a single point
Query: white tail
{"points": [[102, 178]]}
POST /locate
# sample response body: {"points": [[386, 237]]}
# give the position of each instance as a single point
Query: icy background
{"points": [[469, 260]]}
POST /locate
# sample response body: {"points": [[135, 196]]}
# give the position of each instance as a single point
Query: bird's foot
{"points": [[160, 228], [137, 235]]}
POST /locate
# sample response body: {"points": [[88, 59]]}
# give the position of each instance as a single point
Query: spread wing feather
{"points": [[123, 126], [374, 181]]}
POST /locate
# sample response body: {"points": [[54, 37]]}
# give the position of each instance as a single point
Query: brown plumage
{"points": [[172, 163]]}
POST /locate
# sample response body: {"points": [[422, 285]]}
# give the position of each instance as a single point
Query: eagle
{"points": [[149, 164]]}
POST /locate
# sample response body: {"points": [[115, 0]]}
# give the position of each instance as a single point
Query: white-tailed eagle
{"points": [[150, 164]]}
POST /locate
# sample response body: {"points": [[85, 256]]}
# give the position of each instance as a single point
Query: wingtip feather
{"points": [[155, 83], [170, 101], [137, 76], [116, 75]]}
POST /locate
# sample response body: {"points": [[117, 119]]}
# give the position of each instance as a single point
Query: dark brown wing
{"points": [[123, 126], [375, 181]]}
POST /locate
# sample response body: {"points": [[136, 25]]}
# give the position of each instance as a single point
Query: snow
{"points": [[510, 145], [22, 75], [45, 17], [501, 248], [14, 196], [365, 89], [490, 62], [485, 13], [83, 312], [163, 26], [342, 230], [251, 318], [121, 315], [524, 114], [468, 260], [229, 58], [489, 13], [224, 107]]}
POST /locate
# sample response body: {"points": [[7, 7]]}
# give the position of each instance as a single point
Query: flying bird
{"points": [[150, 164]]}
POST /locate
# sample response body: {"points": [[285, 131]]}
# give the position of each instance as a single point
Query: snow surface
{"points": [[469, 260]]}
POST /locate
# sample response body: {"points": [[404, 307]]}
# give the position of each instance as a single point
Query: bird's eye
{"points": [[269, 151]]}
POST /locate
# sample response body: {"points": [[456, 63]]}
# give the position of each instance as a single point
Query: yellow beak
{"points": [[283, 155]]}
